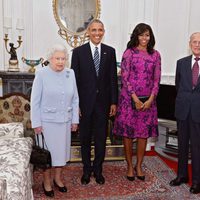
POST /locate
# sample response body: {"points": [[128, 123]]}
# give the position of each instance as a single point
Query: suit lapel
{"points": [[89, 53], [198, 81], [188, 63], [102, 59]]}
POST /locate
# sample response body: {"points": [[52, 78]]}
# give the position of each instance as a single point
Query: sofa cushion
{"points": [[15, 167], [15, 107], [10, 130], [18, 182], [15, 151]]}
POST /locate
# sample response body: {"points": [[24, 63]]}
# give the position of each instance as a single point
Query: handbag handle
{"points": [[43, 141]]}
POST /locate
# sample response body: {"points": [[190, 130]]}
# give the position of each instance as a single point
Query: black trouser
{"points": [[189, 131], [94, 125]]}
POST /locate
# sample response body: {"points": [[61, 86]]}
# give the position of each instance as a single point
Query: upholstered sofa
{"points": [[15, 168]]}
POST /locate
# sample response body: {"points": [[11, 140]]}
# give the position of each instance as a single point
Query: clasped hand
{"points": [[143, 106]]}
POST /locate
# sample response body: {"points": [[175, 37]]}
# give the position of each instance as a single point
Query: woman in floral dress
{"points": [[140, 76]]}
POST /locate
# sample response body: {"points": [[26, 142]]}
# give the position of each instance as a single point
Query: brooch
{"points": [[67, 74]]}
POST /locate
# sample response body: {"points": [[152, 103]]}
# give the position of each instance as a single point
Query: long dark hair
{"points": [[138, 30]]}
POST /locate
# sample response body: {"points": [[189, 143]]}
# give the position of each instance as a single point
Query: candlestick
{"points": [[13, 61]]}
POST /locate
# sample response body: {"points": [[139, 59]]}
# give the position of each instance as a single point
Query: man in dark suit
{"points": [[95, 68], [187, 112]]}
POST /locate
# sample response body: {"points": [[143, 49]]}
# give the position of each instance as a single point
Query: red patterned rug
{"points": [[155, 187]]}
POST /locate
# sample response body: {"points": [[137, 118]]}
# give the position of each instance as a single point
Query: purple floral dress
{"points": [[140, 74]]}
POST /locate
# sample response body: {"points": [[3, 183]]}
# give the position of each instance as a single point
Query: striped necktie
{"points": [[96, 60], [195, 72]]}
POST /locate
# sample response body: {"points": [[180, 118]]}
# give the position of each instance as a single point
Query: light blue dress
{"points": [[55, 106]]}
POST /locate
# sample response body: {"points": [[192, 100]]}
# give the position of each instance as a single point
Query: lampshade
{"points": [[20, 24], [7, 22]]}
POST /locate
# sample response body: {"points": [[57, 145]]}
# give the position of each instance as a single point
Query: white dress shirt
{"points": [[193, 61], [92, 47]]}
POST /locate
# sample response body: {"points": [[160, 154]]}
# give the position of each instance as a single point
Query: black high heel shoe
{"points": [[130, 178], [48, 193], [61, 189], [142, 178]]}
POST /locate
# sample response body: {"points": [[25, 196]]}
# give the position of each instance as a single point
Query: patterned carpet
{"points": [[117, 187]]}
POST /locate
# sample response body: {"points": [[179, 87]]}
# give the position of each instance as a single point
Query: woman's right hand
{"points": [[38, 130], [139, 105]]}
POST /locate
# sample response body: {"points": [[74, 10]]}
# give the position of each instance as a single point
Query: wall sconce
{"points": [[13, 61]]}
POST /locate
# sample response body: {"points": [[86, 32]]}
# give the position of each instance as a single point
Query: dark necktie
{"points": [[195, 72], [96, 60]]}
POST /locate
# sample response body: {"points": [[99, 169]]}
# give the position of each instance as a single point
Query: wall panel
{"points": [[172, 21]]}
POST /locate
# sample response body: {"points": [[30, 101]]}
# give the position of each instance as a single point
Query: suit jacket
{"points": [[54, 97], [90, 87], [188, 98]]}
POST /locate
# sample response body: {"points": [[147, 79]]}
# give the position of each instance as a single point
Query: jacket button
{"points": [[97, 91]]}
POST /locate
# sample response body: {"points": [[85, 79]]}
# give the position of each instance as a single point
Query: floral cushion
{"points": [[8, 130], [15, 168], [19, 183], [15, 107], [14, 149]]}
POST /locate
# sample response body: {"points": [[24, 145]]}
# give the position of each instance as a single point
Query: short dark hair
{"points": [[138, 30], [95, 21]]}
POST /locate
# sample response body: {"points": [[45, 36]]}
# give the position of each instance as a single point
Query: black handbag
{"points": [[142, 99], [40, 157]]}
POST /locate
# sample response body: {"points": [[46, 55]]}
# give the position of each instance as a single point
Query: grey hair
{"points": [[95, 21], [55, 48], [193, 34]]}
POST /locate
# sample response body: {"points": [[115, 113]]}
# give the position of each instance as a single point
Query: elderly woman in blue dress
{"points": [[55, 112]]}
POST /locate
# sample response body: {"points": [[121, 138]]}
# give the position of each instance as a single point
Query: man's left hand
{"points": [[113, 110]]}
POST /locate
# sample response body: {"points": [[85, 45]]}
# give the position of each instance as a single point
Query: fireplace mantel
{"points": [[20, 82]]}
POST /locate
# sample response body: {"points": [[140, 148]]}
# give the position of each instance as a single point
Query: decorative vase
{"points": [[32, 63]]}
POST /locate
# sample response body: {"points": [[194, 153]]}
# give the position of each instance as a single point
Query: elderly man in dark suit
{"points": [[187, 112], [94, 64]]}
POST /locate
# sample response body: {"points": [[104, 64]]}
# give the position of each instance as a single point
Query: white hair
{"points": [[194, 34], [57, 48]]}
